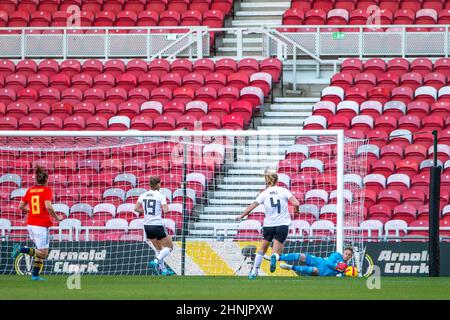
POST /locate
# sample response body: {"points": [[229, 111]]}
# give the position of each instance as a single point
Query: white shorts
{"points": [[40, 236]]}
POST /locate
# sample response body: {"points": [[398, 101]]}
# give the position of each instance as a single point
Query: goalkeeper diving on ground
{"points": [[335, 264]]}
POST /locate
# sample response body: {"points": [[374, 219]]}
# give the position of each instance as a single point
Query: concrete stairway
{"points": [[252, 13], [244, 179], [287, 113]]}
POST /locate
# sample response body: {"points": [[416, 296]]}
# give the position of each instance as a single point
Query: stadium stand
{"points": [[305, 12], [394, 103], [396, 107], [159, 95]]}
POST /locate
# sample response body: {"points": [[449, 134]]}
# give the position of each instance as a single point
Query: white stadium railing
{"points": [[316, 43], [135, 42]]}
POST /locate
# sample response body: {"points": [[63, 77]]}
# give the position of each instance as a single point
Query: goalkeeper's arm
{"points": [[334, 263]]}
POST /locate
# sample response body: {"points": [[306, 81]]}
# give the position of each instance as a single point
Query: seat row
{"points": [[209, 18], [94, 197], [382, 127], [361, 17], [371, 229], [138, 95], [374, 182], [365, 4], [129, 81], [389, 163], [327, 31], [415, 197], [399, 66], [383, 94], [390, 79], [233, 121], [116, 6], [137, 67], [106, 172]]}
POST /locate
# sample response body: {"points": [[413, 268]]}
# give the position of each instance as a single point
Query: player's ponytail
{"points": [[41, 176], [271, 178], [155, 183]]}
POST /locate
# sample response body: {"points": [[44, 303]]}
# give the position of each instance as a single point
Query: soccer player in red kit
{"points": [[37, 203]]}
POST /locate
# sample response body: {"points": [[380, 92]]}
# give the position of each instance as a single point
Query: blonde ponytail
{"points": [[271, 177]]}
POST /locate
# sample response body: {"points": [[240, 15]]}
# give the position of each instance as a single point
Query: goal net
{"points": [[208, 178]]}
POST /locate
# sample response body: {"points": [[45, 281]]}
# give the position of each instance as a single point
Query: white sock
{"points": [[162, 265], [258, 261], [163, 253]]}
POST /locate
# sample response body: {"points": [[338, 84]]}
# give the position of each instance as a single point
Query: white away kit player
{"points": [[276, 222], [152, 203]]}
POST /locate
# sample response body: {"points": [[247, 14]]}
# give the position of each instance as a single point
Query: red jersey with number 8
{"points": [[36, 197]]}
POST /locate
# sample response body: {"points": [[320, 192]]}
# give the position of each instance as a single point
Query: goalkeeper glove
{"points": [[341, 266]]}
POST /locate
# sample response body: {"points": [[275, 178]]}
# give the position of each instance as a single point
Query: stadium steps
{"points": [[251, 13], [287, 113], [243, 178]]}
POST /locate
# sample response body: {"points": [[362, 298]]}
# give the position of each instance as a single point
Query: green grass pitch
{"points": [[191, 288]]}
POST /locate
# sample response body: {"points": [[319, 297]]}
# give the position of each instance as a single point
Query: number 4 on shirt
{"points": [[278, 204]]}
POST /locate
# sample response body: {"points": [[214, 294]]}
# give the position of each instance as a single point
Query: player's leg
{"points": [[38, 264], [302, 270], [151, 233], [268, 235], [18, 249], [157, 246], [42, 242], [167, 248], [281, 233], [166, 245], [259, 256], [289, 257]]}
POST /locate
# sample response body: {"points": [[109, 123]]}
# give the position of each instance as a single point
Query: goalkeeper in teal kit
{"points": [[334, 265]]}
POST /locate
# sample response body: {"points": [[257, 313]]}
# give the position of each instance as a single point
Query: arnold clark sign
{"points": [[96, 257], [404, 259]]}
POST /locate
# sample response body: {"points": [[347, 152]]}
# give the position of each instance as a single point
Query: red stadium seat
{"points": [[293, 17], [405, 212], [273, 67], [200, 5], [383, 167], [232, 122], [210, 122], [248, 66], [218, 108], [382, 213], [213, 18], [422, 66], [315, 17]]}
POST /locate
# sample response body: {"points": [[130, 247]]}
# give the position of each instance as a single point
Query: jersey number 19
{"points": [[149, 206]]}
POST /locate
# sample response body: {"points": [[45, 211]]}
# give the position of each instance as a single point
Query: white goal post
{"points": [[207, 176]]}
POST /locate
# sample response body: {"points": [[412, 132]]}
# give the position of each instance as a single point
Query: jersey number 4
{"points": [[277, 204], [150, 207]]}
